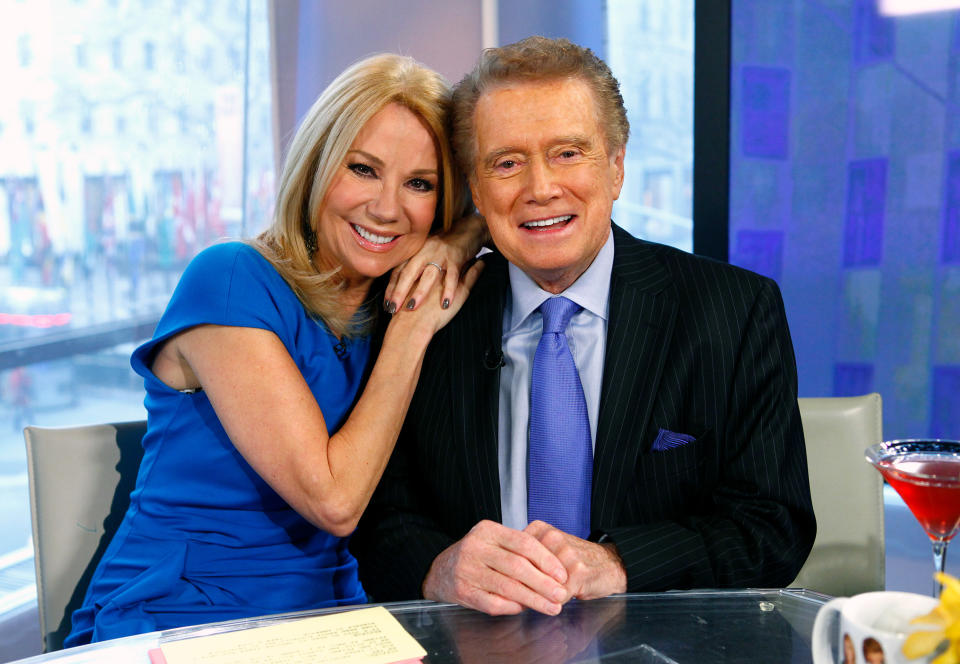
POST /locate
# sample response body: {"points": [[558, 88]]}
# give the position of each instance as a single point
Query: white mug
{"points": [[873, 627]]}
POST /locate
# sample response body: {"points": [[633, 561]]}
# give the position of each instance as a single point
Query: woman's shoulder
{"points": [[225, 256], [236, 266], [231, 282]]}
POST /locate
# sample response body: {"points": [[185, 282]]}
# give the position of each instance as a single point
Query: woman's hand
{"points": [[432, 314], [441, 259]]}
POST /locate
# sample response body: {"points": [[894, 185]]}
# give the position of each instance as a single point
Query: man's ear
{"points": [[616, 163], [477, 203]]}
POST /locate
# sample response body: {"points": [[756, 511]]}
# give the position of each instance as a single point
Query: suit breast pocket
{"points": [[672, 481]]}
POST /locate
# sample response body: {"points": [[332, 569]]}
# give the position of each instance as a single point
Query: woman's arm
{"points": [[451, 250], [272, 418]]}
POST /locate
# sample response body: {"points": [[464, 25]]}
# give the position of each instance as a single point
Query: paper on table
{"points": [[364, 636]]}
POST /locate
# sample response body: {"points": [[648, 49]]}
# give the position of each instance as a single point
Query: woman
{"points": [[261, 451]]}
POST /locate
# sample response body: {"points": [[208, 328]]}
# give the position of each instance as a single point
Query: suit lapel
{"points": [[639, 327], [475, 333]]}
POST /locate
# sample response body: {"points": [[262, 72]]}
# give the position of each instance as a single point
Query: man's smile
{"points": [[548, 224]]}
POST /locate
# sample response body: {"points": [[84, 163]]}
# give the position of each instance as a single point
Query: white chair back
{"points": [[848, 553], [80, 483]]}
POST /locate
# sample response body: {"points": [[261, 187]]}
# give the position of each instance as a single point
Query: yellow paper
{"points": [[364, 636]]}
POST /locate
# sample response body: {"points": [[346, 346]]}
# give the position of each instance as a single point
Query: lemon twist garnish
{"points": [[945, 619]]}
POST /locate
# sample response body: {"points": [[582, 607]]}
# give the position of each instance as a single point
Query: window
{"points": [[845, 187], [24, 52], [153, 119], [94, 231], [179, 55], [207, 58], [28, 115], [116, 53], [149, 56], [86, 118], [236, 57], [650, 50]]}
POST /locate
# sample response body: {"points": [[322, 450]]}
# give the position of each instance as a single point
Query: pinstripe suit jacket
{"points": [[693, 346]]}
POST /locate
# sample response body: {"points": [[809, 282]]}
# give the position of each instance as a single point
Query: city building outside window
{"points": [[650, 50], [114, 172]]}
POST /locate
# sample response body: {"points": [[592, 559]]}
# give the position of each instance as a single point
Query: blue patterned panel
{"points": [[951, 209], [955, 44], [866, 201], [852, 379], [760, 251], [874, 34], [765, 112], [945, 419]]}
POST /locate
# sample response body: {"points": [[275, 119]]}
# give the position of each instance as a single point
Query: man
{"points": [[682, 402]]}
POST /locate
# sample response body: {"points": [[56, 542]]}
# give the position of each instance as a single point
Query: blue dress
{"points": [[205, 538]]}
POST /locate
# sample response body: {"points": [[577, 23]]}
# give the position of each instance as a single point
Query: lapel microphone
{"points": [[493, 359]]}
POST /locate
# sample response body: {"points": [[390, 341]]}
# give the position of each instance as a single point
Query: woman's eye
{"points": [[362, 170], [420, 184], [506, 164], [568, 154]]}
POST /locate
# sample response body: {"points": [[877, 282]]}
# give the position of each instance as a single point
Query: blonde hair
{"points": [[318, 150], [535, 59]]}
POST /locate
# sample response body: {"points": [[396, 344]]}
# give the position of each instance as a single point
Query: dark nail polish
{"points": [[390, 307], [411, 303], [445, 304]]}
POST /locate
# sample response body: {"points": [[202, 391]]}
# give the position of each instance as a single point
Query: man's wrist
{"points": [[428, 589], [426, 582], [617, 562]]}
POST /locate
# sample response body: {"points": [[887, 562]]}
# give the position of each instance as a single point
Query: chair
{"points": [[80, 483], [848, 553]]}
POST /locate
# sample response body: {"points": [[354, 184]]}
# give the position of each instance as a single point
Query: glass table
{"points": [[681, 627]]}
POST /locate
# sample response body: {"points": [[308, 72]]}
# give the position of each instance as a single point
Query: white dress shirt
{"points": [[522, 328]]}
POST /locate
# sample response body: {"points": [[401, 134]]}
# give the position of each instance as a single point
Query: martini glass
{"points": [[926, 474]]}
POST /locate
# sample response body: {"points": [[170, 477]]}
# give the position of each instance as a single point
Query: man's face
{"points": [[543, 177]]}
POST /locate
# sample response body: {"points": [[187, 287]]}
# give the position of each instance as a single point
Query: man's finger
{"points": [[538, 528], [511, 590], [497, 570], [528, 547]]}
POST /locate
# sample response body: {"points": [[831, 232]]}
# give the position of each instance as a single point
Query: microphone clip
{"points": [[493, 359]]}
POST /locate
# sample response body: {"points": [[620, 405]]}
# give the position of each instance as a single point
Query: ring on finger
{"points": [[438, 266]]}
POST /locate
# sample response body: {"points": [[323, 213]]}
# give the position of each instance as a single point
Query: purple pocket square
{"points": [[667, 440]]}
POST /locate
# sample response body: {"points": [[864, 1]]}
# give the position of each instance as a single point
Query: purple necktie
{"points": [[560, 454]]}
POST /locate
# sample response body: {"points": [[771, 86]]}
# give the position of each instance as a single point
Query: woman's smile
{"points": [[374, 241]]}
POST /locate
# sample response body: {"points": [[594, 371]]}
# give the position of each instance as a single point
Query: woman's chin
{"points": [[368, 270]]}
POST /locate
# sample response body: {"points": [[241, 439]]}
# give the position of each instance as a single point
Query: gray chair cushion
{"points": [[80, 484], [848, 553]]}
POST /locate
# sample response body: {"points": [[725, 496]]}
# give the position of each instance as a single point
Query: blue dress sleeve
{"points": [[226, 284]]}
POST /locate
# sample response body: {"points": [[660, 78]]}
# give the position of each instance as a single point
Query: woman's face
{"points": [[381, 203]]}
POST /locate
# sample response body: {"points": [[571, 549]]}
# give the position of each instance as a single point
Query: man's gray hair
{"points": [[536, 59]]}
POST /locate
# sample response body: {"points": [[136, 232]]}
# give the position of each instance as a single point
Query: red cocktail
{"points": [[926, 474]]}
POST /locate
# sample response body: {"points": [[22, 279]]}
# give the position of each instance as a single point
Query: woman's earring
{"points": [[310, 237]]}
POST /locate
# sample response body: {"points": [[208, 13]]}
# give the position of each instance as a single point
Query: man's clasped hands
{"points": [[499, 570]]}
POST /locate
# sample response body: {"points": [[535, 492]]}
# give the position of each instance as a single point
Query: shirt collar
{"points": [[591, 290]]}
